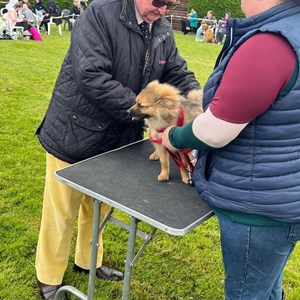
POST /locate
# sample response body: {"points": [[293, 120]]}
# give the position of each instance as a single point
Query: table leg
{"points": [[66, 288], [129, 258], [94, 249]]}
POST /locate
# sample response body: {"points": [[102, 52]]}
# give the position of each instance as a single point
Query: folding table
{"points": [[126, 179]]}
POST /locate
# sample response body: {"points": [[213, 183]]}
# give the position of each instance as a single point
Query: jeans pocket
{"points": [[294, 233]]}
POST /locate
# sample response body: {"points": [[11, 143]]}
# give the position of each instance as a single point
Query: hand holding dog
{"points": [[164, 136]]}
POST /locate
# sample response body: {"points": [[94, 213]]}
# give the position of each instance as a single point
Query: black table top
{"points": [[127, 180]]}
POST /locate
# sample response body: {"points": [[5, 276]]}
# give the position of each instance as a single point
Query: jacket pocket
{"points": [[203, 167], [83, 137], [87, 122]]}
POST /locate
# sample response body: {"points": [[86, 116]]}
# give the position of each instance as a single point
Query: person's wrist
{"points": [[171, 136]]}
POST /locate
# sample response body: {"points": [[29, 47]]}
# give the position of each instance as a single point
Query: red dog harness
{"points": [[175, 156]]}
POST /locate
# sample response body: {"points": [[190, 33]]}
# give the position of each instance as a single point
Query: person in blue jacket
{"points": [[190, 23], [248, 167], [193, 20]]}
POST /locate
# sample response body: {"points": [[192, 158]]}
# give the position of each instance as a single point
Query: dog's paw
{"points": [[185, 179], [154, 156], [163, 177]]}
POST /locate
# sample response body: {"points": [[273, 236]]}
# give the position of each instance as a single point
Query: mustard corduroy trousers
{"points": [[61, 206]]}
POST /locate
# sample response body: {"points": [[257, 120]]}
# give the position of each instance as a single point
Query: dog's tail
{"points": [[195, 95], [193, 102]]}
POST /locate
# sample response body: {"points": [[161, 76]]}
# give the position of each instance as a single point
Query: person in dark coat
{"points": [[42, 11], [104, 69], [221, 28], [75, 11], [55, 12]]}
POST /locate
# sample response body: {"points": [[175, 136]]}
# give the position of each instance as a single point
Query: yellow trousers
{"points": [[61, 206]]}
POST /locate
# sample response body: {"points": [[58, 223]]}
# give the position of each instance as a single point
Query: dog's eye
{"points": [[142, 106]]}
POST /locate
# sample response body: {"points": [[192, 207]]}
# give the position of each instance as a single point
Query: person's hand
{"points": [[164, 136]]}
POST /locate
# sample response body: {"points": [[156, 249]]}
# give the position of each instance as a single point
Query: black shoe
{"points": [[103, 273], [48, 292]]}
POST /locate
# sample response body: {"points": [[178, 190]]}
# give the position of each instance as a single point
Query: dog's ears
{"points": [[162, 91], [153, 83], [157, 88]]}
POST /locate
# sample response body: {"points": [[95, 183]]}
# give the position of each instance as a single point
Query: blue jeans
{"points": [[254, 258], [198, 33]]}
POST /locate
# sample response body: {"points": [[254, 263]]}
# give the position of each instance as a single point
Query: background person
{"points": [[193, 20], [248, 137], [28, 14], [55, 12], [16, 18], [10, 5], [190, 24], [210, 20], [98, 82], [26, 4], [75, 11], [42, 11], [221, 28]]}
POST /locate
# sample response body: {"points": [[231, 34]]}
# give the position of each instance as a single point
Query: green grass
{"points": [[172, 268]]}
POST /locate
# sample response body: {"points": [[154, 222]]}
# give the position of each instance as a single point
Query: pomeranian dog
{"points": [[162, 105], [209, 34]]}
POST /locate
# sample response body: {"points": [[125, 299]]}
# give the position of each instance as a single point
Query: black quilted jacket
{"points": [[100, 78]]}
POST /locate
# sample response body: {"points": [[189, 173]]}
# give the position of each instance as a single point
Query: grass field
{"points": [[171, 268]]}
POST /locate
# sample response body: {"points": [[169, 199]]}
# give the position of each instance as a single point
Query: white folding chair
{"points": [[51, 22], [65, 18], [1, 11], [36, 22], [18, 29]]}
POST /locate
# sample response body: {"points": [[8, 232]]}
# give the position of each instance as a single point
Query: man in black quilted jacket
{"points": [[106, 66]]}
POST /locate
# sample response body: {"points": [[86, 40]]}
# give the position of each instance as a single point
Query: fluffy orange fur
{"points": [[159, 105], [209, 35]]}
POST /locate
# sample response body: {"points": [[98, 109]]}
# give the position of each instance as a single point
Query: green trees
{"points": [[218, 7]]}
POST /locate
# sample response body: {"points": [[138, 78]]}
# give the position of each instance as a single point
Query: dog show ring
{"points": [[127, 180]]}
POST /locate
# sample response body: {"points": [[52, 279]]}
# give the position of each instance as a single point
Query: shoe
{"points": [[282, 295], [14, 36], [103, 272], [48, 292]]}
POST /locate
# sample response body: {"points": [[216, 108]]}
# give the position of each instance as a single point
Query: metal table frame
{"points": [[132, 197]]}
